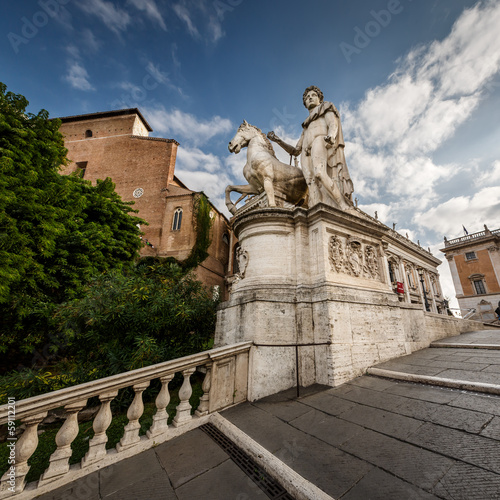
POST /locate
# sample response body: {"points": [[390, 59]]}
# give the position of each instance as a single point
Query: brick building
{"points": [[474, 262], [116, 144]]}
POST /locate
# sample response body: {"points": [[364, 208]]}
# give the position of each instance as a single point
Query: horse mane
{"points": [[266, 140]]}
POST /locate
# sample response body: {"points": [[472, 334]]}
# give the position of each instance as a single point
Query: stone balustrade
{"points": [[472, 237], [225, 384]]}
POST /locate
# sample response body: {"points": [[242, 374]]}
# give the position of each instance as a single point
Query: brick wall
{"points": [[119, 147]]}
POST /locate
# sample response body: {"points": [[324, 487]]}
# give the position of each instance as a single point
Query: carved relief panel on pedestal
{"points": [[352, 257]]}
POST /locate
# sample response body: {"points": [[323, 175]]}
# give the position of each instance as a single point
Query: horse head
{"points": [[242, 138]]}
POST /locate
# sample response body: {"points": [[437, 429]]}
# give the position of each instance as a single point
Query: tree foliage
{"points": [[56, 231], [129, 320]]}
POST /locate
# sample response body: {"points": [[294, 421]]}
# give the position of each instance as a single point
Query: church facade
{"points": [[117, 144]]}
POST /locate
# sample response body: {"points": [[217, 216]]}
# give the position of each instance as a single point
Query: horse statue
{"points": [[263, 171]]}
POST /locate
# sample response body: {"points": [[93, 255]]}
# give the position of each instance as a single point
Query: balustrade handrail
{"points": [[225, 384], [473, 236], [68, 395]]}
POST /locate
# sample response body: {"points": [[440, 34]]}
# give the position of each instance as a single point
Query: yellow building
{"points": [[474, 262]]}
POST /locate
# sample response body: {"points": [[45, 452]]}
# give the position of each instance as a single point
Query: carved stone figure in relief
{"points": [[263, 171], [371, 263], [354, 258], [321, 147], [242, 258], [336, 254]]}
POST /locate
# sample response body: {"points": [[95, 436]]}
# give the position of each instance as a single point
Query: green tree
{"points": [[55, 231], [131, 319]]}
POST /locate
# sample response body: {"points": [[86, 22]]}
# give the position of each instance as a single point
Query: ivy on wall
{"points": [[202, 224]]}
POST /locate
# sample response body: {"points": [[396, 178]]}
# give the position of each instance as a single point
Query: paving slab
{"points": [[464, 482], [492, 430], [86, 488], [226, 481], [413, 464], [484, 403], [180, 460], [328, 403], [371, 398], [423, 393], [326, 466], [383, 421], [332, 430], [120, 476], [379, 485], [459, 418], [469, 448], [490, 338]]}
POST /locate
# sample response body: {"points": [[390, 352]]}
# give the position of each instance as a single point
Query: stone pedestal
{"points": [[313, 294]]}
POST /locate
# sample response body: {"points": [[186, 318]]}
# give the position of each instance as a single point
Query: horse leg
{"points": [[269, 189], [242, 189], [229, 204]]}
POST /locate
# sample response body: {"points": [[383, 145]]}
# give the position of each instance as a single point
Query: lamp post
{"points": [[426, 302]]}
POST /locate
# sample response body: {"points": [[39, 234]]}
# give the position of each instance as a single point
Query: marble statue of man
{"points": [[321, 147]]}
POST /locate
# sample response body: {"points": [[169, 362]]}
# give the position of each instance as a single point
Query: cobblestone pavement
{"points": [[372, 438]]}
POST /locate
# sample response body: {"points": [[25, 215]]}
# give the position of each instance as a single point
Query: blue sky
{"points": [[417, 84]]}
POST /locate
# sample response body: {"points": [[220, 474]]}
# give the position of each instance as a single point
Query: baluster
{"points": [[204, 401], [25, 447], [59, 460], [183, 410], [134, 413], [97, 445], [160, 418]]}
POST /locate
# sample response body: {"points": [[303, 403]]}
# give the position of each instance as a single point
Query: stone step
{"points": [[452, 383]]}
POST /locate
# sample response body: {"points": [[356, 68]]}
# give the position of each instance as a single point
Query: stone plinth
{"points": [[314, 295]]}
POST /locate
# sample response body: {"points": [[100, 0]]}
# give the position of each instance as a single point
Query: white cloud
{"points": [[382, 210], [212, 184], [151, 10], [183, 14], [156, 73], [194, 159], [235, 163], [205, 172], [396, 128], [215, 29], [491, 177], [181, 125], [472, 212], [78, 77], [89, 40], [115, 18]]}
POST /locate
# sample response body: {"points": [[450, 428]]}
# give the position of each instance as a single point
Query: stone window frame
{"points": [[177, 220], [478, 278], [470, 256]]}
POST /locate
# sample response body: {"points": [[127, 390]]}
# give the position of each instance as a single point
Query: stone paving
{"points": [[372, 438], [472, 357]]}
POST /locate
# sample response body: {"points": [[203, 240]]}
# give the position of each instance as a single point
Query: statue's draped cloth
{"points": [[336, 159]]}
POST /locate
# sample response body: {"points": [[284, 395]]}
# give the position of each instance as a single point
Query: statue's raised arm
{"points": [[294, 151]]}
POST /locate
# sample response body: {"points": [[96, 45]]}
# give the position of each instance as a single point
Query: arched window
{"points": [[88, 133], [176, 225]]}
